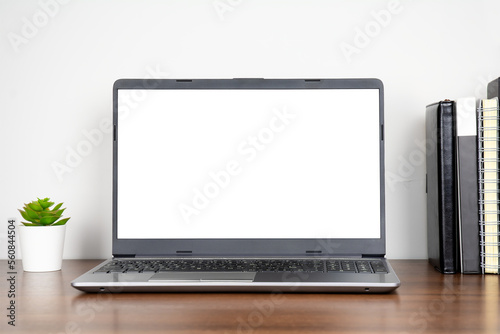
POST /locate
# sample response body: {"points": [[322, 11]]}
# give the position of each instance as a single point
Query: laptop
{"points": [[247, 185]]}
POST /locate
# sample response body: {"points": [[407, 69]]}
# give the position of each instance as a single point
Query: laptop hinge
{"points": [[372, 255], [124, 255]]}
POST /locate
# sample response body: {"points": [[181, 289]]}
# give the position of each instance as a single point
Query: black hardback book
{"points": [[467, 185], [494, 89], [442, 229]]}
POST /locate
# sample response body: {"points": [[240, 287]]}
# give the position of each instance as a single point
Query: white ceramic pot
{"points": [[42, 247]]}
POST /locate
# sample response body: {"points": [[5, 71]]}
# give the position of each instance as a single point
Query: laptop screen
{"points": [[247, 163]]}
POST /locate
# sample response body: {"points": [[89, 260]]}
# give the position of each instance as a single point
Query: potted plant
{"points": [[42, 236]]}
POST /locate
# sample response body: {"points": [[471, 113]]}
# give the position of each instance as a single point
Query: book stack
{"points": [[463, 184]]}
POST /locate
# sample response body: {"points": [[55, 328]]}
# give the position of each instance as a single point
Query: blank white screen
{"points": [[248, 164]]}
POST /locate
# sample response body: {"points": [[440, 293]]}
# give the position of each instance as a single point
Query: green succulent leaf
{"points": [[35, 206], [57, 207], [29, 224], [24, 214], [35, 221], [58, 212], [61, 222], [48, 220], [32, 214], [45, 203], [49, 214]]}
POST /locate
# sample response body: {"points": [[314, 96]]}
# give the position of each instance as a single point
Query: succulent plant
{"points": [[38, 213]]}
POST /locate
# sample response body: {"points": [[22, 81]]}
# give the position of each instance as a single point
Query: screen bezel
{"points": [[248, 247]]}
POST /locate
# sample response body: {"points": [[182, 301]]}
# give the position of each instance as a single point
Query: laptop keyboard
{"points": [[242, 265]]}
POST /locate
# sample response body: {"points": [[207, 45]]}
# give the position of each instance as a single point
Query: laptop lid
{"points": [[248, 167]]}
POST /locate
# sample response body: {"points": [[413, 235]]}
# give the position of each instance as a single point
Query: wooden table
{"points": [[426, 302]]}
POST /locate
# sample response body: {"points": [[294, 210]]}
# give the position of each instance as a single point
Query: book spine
{"points": [[441, 188], [448, 228], [467, 185]]}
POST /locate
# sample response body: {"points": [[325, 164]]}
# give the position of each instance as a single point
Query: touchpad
{"points": [[203, 276]]}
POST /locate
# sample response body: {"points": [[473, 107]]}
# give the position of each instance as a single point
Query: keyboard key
{"points": [[348, 266], [363, 267], [378, 267]]}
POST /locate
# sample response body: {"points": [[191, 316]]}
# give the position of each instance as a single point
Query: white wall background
{"points": [[59, 59]]}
